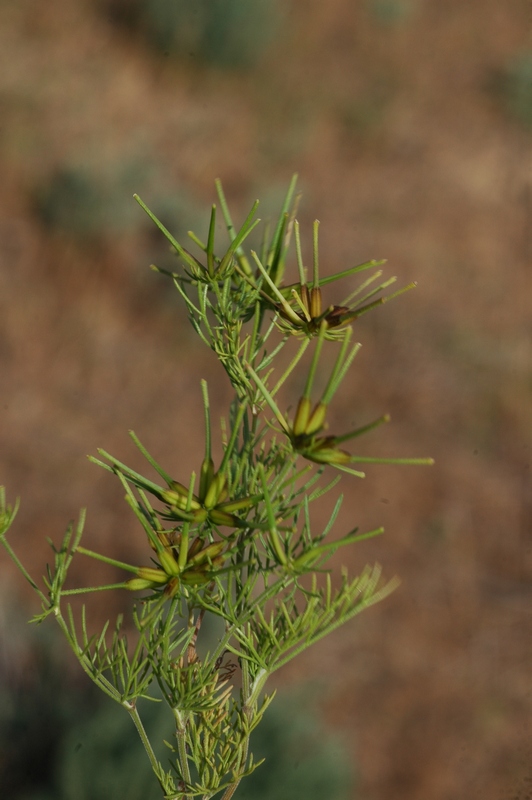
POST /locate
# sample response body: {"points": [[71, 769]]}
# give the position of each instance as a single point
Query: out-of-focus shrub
{"points": [[515, 87], [35, 710], [304, 761], [85, 203], [103, 758], [391, 12], [61, 742], [88, 203], [71, 201], [224, 33]]}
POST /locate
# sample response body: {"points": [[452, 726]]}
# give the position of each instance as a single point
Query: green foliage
{"points": [[87, 202], [61, 742], [515, 87], [391, 12], [37, 705], [234, 541], [71, 201], [101, 756], [303, 761], [223, 33]]}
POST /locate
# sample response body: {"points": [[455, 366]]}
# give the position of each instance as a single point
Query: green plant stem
{"points": [[250, 696], [242, 548], [135, 716], [90, 589], [105, 685], [106, 559], [315, 260], [299, 256], [181, 719], [293, 364], [22, 568]]}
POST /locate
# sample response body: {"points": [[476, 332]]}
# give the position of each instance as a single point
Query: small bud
{"points": [[328, 455], [180, 488], [200, 515], [315, 302], [177, 497], [168, 562], [163, 538], [223, 494], [317, 419], [208, 553], [138, 584], [244, 502], [215, 490], [206, 476], [152, 574], [302, 416], [194, 548], [193, 577], [223, 518]]}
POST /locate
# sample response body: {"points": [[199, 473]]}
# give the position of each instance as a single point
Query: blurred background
{"points": [[410, 125]]}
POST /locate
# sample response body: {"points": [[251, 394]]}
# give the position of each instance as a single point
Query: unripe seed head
{"points": [[200, 515], [244, 502], [220, 517], [177, 497], [315, 302], [152, 574], [168, 562], [302, 416], [194, 548], [329, 455], [138, 584], [193, 577], [215, 489], [208, 553], [206, 476], [317, 419]]}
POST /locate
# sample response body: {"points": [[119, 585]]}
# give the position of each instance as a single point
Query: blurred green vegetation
{"points": [[304, 761], [515, 86], [364, 115], [390, 12], [87, 203], [60, 740], [223, 33]]}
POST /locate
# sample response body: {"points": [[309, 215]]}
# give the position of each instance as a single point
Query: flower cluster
{"points": [[300, 308], [306, 432]]}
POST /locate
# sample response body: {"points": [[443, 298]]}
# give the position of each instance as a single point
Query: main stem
{"points": [[250, 697], [181, 730], [134, 714]]}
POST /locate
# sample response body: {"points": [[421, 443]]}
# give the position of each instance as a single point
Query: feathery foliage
{"points": [[236, 540]]}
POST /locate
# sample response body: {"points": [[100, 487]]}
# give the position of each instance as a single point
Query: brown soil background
{"points": [[404, 151]]}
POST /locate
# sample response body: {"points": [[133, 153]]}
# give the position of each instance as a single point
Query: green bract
{"points": [[236, 540]]}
